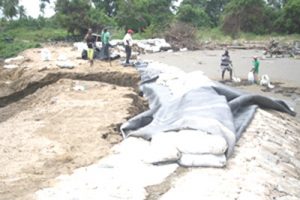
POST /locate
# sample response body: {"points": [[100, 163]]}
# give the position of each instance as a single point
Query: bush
{"points": [[292, 16], [193, 15], [12, 49], [182, 35], [16, 36], [212, 34]]}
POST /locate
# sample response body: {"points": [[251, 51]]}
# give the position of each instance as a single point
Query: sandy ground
{"points": [[283, 72], [54, 120], [265, 165]]}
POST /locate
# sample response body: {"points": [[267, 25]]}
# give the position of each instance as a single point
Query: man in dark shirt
{"points": [[90, 40], [226, 64]]}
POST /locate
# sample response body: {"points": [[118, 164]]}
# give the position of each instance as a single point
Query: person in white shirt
{"points": [[127, 40]]}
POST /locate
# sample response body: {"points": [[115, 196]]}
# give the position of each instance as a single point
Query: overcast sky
{"points": [[33, 8]]}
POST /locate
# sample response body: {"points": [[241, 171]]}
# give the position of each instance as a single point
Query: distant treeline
{"points": [[154, 16]]}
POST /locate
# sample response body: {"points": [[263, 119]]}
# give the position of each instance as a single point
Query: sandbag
{"points": [[251, 77], [198, 142], [65, 64], [84, 54], [265, 80], [162, 149], [190, 141], [168, 146], [202, 160], [45, 55]]}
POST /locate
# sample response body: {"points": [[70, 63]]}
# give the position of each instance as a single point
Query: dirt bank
{"points": [[54, 120]]}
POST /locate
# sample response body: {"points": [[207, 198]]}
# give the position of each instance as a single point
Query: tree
{"points": [[212, 8], [99, 19], [291, 16], [160, 11], [73, 15], [278, 4], [43, 5], [133, 14], [10, 8], [109, 7], [244, 15], [1, 7], [193, 15], [21, 12], [141, 14]]}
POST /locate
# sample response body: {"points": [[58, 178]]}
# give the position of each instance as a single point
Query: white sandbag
{"points": [[162, 149], [14, 59], [80, 46], [191, 141], [265, 80], [202, 160], [116, 42], [62, 57], [65, 64], [45, 55], [251, 77], [168, 146], [10, 66], [198, 142], [236, 79], [183, 49]]}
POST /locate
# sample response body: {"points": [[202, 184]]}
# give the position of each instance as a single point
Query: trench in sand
{"points": [[60, 122]]}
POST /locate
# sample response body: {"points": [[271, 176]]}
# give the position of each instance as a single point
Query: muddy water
{"points": [[285, 70]]}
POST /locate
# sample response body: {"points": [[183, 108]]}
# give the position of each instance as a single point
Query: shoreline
{"points": [[283, 72]]}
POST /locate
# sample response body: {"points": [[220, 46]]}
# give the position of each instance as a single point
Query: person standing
{"points": [[102, 37], [89, 39], [127, 40], [255, 69], [226, 64], [106, 38]]}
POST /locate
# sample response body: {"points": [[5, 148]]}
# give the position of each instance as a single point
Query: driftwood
{"points": [[182, 35]]}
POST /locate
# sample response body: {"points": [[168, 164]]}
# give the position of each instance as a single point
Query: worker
{"points": [[226, 64], [90, 41], [106, 39], [127, 40], [255, 69]]}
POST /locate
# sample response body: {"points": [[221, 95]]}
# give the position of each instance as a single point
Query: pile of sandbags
{"points": [[139, 46], [14, 62], [188, 148]]}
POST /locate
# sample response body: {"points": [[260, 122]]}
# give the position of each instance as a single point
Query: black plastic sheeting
{"points": [[216, 109]]}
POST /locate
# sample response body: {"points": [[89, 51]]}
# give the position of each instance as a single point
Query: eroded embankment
{"points": [[23, 87], [57, 122]]}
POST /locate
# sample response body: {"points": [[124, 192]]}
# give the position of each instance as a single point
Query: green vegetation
{"points": [[221, 20], [212, 34], [19, 35], [215, 34]]}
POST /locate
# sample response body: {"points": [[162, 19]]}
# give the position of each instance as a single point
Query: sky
{"points": [[32, 8]]}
